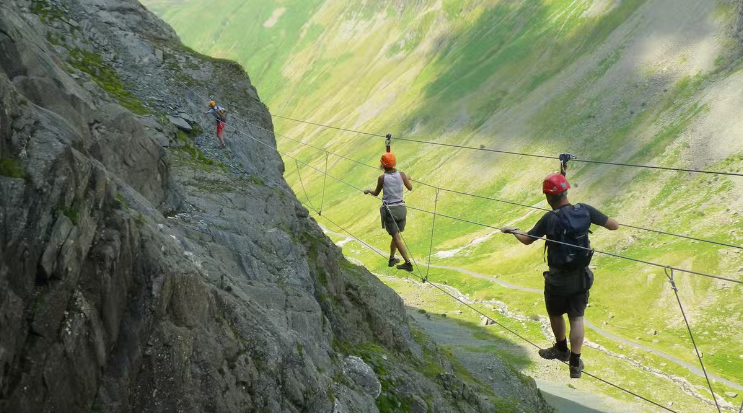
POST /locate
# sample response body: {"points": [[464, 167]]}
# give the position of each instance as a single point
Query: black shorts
{"points": [[574, 305]]}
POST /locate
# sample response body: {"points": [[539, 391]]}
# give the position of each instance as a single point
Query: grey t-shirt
{"points": [[559, 281]]}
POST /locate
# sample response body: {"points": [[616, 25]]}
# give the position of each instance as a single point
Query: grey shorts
{"points": [[394, 220]]}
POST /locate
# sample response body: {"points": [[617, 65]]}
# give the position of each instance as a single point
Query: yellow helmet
{"points": [[212, 104]]}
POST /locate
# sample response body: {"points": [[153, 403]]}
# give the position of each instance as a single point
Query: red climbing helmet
{"points": [[388, 160], [555, 184]]}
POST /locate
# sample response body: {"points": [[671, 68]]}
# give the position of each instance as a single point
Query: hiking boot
{"points": [[392, 262], [408, 266], [553, 353], [575, 371]]}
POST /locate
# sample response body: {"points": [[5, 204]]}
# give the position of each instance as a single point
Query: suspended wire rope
{"points": [[501, 325], [477, 223], [532, 155], [668, 269], [424, 279], [433, 227], [324, 180], [497, 199], [669, 274]]}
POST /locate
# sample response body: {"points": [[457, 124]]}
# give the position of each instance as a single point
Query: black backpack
{"points": [[572, 227]]}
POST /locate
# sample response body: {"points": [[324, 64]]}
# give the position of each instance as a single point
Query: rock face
{"points": [[145, 270]]}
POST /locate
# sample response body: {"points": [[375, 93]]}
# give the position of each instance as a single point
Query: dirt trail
{"points": [[692, 368]]}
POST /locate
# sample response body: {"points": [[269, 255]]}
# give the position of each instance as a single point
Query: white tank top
{"points": [[392, 189]]}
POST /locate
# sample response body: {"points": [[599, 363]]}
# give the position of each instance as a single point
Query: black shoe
{"points": [[553, 353], [408, 266], [392, 262], [575, 371]]}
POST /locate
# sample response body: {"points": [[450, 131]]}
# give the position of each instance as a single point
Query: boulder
{"points": [[188, 118], [180, 123], [362, 375]]}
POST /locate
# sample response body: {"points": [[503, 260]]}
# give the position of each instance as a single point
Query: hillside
{"points": [[143, 269], [635, 81]]}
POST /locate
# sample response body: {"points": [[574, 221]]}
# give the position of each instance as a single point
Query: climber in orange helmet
{"points": [[220, 115], [393, 210]]}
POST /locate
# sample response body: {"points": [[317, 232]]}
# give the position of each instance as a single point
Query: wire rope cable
{"points": [[433, 227], [490, 226], [669, 274], [497, 199], [532, 155]]}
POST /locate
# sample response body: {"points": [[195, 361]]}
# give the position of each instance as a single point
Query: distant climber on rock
{"points": [[220, 115], [393, 209], [568, 281]]}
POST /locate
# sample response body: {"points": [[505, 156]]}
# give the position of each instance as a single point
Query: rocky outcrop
{"points": [[144, 270]]}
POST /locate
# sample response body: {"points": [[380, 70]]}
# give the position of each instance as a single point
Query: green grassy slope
{"points": [[542, 77]]}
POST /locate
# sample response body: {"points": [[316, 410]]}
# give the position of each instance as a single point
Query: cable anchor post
{"points": [[388, 142], [564, 159]]}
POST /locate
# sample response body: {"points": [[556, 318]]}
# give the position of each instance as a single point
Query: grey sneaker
{"points": [[408, 266], [392, 262], [553, 353], [575, 371]]}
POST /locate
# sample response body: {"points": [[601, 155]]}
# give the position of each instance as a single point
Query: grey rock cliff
{"points": [[145, 270]]}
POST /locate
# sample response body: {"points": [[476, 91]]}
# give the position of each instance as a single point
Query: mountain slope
{"points": [[144, 269], [634, 81]]}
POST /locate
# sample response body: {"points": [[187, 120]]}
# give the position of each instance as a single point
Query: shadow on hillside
{"points": [[562, 404], [488, 342], [492, 355], [514, 53]]}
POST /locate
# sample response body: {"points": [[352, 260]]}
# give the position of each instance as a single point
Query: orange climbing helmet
{"points": [[212, 104], [555, 184], [388, 160]]}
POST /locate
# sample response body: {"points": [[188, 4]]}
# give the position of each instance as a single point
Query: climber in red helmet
{"points": [[569, 279], [393, 209]]}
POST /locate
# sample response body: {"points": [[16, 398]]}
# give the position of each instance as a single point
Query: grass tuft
{"points": [[107, 78]]}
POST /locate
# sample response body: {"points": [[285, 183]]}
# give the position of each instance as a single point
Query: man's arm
{"points": [[598, 218], [523, 238], [380, 183]]}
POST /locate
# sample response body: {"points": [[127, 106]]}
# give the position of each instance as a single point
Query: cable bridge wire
{"points": [[496, 199], [453, 296], [490, 150], [447, 292], [433, 227], [669, 274], [297, 161], [444, 291], [528, 206], [700, 171], [478, 196]]}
